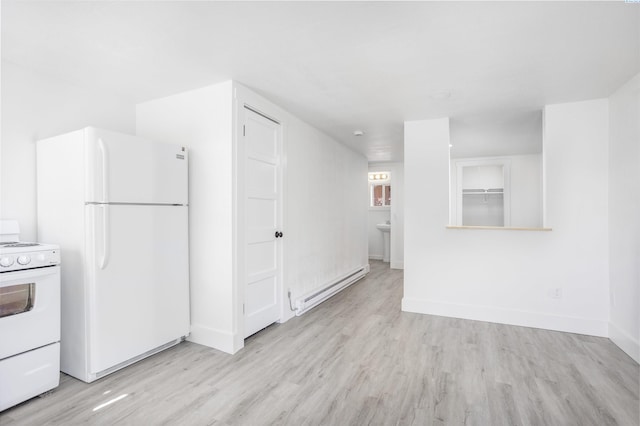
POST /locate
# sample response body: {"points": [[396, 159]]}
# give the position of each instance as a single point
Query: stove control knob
{"points": [[6, 261], [24, 260]]}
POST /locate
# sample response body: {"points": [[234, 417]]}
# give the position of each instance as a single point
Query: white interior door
{"points": [[139, 285], [263, 221]]}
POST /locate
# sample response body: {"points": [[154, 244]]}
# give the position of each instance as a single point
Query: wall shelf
{"points": [[498, 228], [489, 191]]}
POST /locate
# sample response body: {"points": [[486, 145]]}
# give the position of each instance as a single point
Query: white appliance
{"points": [[118, 205], [29, 317]]}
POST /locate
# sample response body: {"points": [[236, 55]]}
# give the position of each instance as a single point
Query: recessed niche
{"points": [[496, 170]]}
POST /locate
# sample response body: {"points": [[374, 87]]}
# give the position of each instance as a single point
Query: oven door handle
{"points": [[104, 259], [21, 276]]}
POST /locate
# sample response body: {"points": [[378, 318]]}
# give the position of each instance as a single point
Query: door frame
{"points": [[243, 99], [460, 164]]}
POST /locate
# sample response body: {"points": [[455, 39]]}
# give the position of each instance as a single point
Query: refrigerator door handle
{"points": [[103, 156], [104, 259]]}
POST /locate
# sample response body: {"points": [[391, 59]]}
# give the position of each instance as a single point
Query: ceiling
{"points": [[341, 66]]}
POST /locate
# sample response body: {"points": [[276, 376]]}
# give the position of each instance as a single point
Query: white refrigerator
{"points": [[118, 207]]}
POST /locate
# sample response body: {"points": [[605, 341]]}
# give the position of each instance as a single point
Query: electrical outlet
{"points": [[555, 293]]}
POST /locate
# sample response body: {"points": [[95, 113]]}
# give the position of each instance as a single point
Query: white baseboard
{"points": [[397, 265], [313, 299], [508, 316], [375, 256], [217, 339], [625, 341]]}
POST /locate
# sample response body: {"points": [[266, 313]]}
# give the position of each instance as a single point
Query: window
{"points": [[379, 189], [16, 299]]}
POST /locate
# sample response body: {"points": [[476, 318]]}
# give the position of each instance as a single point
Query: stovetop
{"points": [[17, 244], [16, 247], [24, 247], [16, 255]]}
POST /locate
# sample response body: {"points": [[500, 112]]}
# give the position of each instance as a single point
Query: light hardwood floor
{"points": [[357, 360]]}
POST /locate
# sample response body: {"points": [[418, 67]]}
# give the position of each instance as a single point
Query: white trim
{"points": [[542, 320], [397, 264], [624, 341], [375, 257], [218, 339]]}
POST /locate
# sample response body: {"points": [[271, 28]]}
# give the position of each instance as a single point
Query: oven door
{"points": [[29, 309]]}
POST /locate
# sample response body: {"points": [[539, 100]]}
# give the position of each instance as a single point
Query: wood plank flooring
{"points": [[358, 360]]}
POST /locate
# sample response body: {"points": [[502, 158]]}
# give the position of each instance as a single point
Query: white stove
{"points": [[29, 317]]}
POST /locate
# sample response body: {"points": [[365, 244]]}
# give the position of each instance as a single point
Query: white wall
{"points": [[325, 204], [325, 209], [397, 217], [507, 276], [624, 217], [36, 106], [526, 191], [202, 120]]}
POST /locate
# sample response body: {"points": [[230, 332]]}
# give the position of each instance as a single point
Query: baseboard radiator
{"points": [[312, 300]]}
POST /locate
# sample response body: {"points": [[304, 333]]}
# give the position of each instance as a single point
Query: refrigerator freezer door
{"points": [[138, 280], [127, 169]]}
